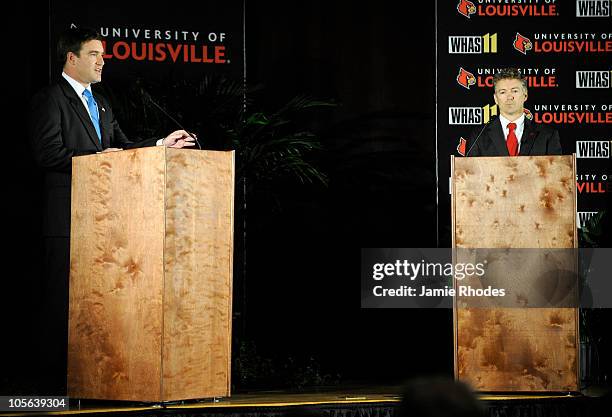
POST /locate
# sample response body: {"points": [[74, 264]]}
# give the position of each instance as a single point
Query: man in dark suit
{"points": [[512, 133], [67, 119]]}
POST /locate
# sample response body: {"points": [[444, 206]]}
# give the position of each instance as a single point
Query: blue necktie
{"points": [[93, 111]]}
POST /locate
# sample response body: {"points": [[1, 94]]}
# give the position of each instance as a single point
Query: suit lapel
{"points": [[528, 139], [79, 109], [496, 134]]}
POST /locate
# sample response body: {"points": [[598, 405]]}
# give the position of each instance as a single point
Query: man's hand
{"points": [[111, 150], [179, 139]]}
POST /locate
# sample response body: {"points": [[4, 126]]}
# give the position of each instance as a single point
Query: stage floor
{"points": [[354, 401]]}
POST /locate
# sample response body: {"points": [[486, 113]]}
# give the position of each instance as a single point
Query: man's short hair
{"points": [[72, 39], [509, 74]]}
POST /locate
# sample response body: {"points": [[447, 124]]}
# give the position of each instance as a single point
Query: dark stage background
{"points": [[303, 324]]}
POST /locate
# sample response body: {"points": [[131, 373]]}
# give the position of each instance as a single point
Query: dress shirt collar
{"points": [[520, 122], [77, 86]]}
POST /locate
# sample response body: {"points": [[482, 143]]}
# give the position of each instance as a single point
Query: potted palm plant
{"points": [[273, 145]]}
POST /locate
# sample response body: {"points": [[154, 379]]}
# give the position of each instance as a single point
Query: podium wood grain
{"points": [[521, 202], [150, 280]]}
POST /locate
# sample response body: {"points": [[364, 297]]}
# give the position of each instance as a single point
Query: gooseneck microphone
{"points": [[165, 113], [480, 133]]}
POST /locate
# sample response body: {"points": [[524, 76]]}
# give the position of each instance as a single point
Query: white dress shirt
{"points": [[520, 127], [78, 88]]}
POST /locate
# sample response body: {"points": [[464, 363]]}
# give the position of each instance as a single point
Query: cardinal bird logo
{"points": [[466, 8], [461, 146], [528, 114], [522, 44], [465, 78]]}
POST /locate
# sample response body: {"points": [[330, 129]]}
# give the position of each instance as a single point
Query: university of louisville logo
{"points": [[465, 78], [522, 44], [466, 8], [461, 146], [528, 114]]}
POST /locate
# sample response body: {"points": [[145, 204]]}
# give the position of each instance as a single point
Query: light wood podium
{"points": [[151, 275], [518, 202]]}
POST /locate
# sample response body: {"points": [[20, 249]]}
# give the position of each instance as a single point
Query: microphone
{"points": [[149, 98], [480, 133]]}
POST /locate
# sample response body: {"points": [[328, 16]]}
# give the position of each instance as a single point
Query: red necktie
{"points": [[511, 140]]}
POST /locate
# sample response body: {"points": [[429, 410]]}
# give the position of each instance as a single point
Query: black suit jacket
{"points": [[536, 140], [59, 128]]}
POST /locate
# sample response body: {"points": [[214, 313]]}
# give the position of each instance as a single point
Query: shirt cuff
{"points": [[160, 142]]}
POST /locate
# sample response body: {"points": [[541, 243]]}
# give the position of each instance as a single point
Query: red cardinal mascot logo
{"points": [[461, 146], [528, 114], [522, 44], [466, 8], [465, 78]]}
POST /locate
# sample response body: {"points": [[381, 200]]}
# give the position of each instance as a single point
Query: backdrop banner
{"points": [[563, 47], [168, 55]]}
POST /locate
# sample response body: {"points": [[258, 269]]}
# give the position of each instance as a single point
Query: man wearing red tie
{"points": [[512, 133]]}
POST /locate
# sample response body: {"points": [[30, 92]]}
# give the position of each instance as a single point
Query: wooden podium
{"points": [[518, 202], [151, 275]]}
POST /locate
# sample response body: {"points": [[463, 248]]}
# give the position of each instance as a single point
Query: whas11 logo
{"points": [[583, 217], [592, 8], [593, 79], [473, 44], [593, 149], [471, 115]]}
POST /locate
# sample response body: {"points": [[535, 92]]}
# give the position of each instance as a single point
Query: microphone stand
{"points": [[149, 98]]}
